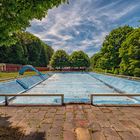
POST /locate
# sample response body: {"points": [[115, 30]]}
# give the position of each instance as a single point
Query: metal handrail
{"points": [[113, 94], [7, 95]]}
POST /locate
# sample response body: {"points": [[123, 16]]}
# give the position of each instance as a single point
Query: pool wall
{"points": [[16, 87], [124, 85]]}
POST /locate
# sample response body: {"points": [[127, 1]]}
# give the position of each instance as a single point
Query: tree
{"points": [[15, 16], [120, 52], [16, 54], [94, 59], [46, 54], [28, 50], [130, 54], [49, 51], [4, 51], [111, 45], [79, 59], [59, 59]]}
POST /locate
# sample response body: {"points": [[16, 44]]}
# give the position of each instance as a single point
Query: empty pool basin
{"points": [[76, 87]]}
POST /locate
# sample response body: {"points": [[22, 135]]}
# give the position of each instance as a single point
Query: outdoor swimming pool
{"points": [[78, 86]]}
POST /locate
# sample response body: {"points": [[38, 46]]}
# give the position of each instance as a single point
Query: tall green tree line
{"points": [[120, 53], [77, 59], [28, 50]]}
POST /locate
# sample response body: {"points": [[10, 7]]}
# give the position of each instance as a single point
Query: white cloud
{"points": [[82, 24]]}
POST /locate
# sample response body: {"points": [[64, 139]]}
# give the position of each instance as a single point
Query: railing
{"points": [[6, 100], [113, 94], [15, 95]]}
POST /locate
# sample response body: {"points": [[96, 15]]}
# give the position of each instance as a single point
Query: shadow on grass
{"points": [[7, 132]]}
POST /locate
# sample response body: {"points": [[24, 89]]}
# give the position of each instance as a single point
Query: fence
{"points": [[16, 67], [10, 67]]}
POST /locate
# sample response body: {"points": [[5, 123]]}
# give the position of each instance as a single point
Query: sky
{"points": [[83, 24]]}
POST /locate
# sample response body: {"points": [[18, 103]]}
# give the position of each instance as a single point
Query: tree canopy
{"points": [[60, 59], [15, 16], [28, 50], [110, 50], [79, 59], [130, 54], [120, 52]]}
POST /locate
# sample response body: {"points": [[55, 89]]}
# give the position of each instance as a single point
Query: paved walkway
{"points": [[70, 122]]}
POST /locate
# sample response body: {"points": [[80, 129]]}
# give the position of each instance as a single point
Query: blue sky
{"points": [[83, 24]]}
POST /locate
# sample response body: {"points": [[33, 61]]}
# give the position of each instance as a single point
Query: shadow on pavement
{"points": [[7, 132]]}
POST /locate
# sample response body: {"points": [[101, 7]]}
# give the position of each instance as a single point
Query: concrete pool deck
{"points": [[69, 122]]}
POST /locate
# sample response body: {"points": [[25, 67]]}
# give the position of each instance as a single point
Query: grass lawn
{"points": [[8, 75]]}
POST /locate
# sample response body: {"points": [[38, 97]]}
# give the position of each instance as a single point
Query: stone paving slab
{"points": [[70, 122]]}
